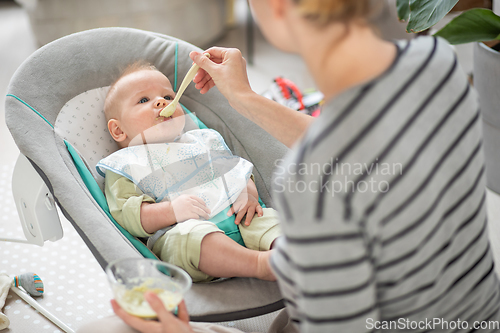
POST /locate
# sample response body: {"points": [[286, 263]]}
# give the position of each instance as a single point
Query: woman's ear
{"points": [[115, 130]]}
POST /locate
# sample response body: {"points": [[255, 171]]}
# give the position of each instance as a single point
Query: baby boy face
{"points": [[140, 97]]}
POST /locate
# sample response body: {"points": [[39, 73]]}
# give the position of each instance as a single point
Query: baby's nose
{"points": [[161, 102]]}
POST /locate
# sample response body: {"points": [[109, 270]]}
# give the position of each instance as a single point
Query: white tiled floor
{"points": [[76, 288]]}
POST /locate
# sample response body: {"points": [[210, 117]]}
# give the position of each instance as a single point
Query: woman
{"points": [[382, 197]]}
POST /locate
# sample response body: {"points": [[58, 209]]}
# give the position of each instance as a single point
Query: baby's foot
{"points": [[264, 271]]}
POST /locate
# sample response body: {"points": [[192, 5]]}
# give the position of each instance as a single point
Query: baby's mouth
{"points": [[162, 119]]}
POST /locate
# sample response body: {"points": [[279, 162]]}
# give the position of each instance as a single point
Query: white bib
{"points": [[197, 163]]}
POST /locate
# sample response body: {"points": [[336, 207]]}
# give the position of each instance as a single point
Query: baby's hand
{"points": [[188, 207], [245, 204]]}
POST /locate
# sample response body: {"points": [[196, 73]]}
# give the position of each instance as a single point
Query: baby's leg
{"points": [[222, 257], [202, 250], [262, 232], [181, 246]]}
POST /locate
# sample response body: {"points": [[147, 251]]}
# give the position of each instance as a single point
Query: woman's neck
{"points": [[340, 57]]}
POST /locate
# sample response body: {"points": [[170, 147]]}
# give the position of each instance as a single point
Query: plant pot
{"points": [[487, 84]]}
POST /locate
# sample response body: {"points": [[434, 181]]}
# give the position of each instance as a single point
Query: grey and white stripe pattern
{"points": [[383, 204]]}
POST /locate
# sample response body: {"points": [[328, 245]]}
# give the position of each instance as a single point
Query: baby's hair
{"points": [[136, 66]]}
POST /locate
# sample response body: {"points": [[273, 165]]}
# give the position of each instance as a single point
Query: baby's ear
{"points": [[116, 131]]}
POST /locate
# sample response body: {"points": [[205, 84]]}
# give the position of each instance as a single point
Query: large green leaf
{"points": [[403, 9], [425, 13], [475, 25]]}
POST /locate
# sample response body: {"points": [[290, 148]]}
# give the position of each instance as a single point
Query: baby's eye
{"points": [[144, 100], [168, 98]]}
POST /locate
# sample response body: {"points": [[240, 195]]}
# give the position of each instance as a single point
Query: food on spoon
{"points": [[167, 113]]}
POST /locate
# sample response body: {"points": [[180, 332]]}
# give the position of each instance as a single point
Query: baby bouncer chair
{"points": [[54, 111]]}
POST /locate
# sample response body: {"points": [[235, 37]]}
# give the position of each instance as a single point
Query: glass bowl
{"points": [[130, 278]]}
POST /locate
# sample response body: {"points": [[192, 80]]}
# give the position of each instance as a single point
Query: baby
{"points": [[180, 189]]}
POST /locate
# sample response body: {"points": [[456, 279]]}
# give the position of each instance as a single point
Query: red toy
{"points": [[287, 93]]}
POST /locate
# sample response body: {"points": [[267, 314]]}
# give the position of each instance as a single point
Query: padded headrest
{"points": [[83, 124]]}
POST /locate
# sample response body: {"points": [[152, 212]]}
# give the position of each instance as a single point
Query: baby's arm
{"points": [[247, 203], [139, 214], [124, 201], [252, 189], [156, 216]]}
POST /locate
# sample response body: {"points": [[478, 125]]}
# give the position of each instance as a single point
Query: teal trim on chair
{"points": [[175, 71], [198, 122], [99, 197], [226, 224], [32, 108]]}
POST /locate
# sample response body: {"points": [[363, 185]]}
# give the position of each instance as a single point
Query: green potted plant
{"points": [[481, 26]]}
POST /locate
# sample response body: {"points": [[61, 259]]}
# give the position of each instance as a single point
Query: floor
{"points": [[76, 290]]}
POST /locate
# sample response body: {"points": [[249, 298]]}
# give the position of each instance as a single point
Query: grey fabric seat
{"points": [[92, 59]]}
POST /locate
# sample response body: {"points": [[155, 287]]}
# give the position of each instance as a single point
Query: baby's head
{"points": [[133, 105]]}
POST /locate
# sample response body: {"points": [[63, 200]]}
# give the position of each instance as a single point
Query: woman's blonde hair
{"points": [[324, 12]]}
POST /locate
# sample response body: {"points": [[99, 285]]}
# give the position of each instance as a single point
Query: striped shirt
{"points": [[383, 206]]}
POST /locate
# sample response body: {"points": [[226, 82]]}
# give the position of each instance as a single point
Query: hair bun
{"points": [[324, 12]]}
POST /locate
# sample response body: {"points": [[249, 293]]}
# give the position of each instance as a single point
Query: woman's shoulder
{"points": [[425, 51], [425, 65]]}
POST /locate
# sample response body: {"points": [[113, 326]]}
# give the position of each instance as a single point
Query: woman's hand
{"points": [[167, 321], [188, 207], [225, 69]]}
